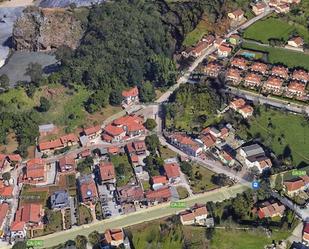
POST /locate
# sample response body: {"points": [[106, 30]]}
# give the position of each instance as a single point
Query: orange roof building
{"points": [[172, 171], [4, 208], [297, 88], [269, 210], [259, 68], [295, 186], [107, 172], [130, 96], [301, 75], [69, 139], [67, 164], [35, 170], [93, 132], [233, 75], [239, 62], [280, 71], [159, 180], [114, 237], [160, 195], [236, 104], [273, 84], [30, 213], [88, 189], [50, 145], [212, 69], [195, 215], [6, 192], [253, 80]]}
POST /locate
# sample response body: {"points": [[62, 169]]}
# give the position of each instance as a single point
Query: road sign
{"points": [[255, 185]]}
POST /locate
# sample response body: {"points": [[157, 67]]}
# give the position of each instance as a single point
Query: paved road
{"points": [[251, 21], [186, 76], [152, 213], [276, 102]]}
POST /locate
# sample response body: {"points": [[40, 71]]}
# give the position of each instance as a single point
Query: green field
{"points": [[124, 171], [274, 28], [167, 235], [166, 153], [269, 28], [196, 34], [281, 55], [238, 239], [287, 129], [201, 180]]}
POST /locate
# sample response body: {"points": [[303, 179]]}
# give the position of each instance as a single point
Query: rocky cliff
{"points": [[45, 29]]}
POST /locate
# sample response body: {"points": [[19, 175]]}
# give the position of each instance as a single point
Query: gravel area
{"points": [[16, 66]]}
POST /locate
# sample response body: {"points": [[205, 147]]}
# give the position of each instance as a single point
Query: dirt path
{"points": [[16, 3]]}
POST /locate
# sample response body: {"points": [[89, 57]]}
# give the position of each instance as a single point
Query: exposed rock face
{"points": [[45, 29]]}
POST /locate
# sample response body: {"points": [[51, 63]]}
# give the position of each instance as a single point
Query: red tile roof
{"points": [[280, 71], [224, 48], [4, 208], [159, 179], [157, 195], [234, 73], [107, 171], [298, 40], [113, 150], [239, 62], [294, 185], [172, 170], [113, 235], [259, 67], [196, 211], [50, 145], [66, 161], [132, 92], [301, 75], [238, 12], [35, 168], [6, 192], [85, 153], [17, 226], [135, 127], [88, 190], [125, 120], [113, 130], [134, 158], [253, 78], [208, 140], [69, 138], [92, 130], [246, 109], [296, 86], [29, 212], [238, 103], [273, 81], [270, 210]]}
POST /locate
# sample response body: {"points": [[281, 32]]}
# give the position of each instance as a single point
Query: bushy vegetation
{"points": [[191, 107]]}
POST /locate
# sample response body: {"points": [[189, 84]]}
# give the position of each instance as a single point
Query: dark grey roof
{"points": [[253, 150], [59, 197]]}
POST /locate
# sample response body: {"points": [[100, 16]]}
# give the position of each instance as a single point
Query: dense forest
{"points": [[128, 42]]}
